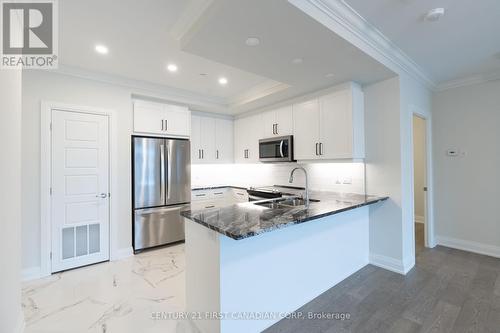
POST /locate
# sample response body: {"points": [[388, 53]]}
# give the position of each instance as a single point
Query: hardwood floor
{"points": [[447, 291]]}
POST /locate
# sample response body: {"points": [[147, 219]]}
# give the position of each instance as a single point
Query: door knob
{"points": [[102, 195]]}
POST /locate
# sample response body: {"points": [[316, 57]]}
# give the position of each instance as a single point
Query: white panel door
{"points": [[336, 131], [80, 189], [306, 130], [224, 146]]}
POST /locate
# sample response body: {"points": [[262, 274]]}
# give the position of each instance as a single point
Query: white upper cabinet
{"points": [[211, 140], [278, 122], [163, 119], [247, 133], [224, 141], [306, 130], [330, 127]]}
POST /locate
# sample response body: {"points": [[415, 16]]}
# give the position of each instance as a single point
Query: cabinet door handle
{"points": [[273, 129], [217, 154], [199, 154], [166, 125], [321, 148], [162, 125], [317, 149], [276, 128], [202, 154]]}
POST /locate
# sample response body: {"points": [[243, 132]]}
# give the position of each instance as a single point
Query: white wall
{"points": [[11, 317], [419, 163], [467, 187], [414, 97], [383, 168], [322, 176], [389, 106]]}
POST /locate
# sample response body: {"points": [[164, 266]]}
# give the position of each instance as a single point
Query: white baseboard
{"points": [[391, 264], [120, 254], [31, 273], [419, 219], [465, 245]]}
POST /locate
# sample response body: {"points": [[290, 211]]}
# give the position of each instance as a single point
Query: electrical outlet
{"points": [[347, 180]]}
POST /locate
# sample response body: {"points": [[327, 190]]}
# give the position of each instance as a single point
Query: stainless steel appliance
{"points": [[161, 189], [279, 149], [262, 193]]}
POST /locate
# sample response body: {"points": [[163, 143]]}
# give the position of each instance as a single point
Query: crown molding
{"points": [[468, 81], [165, 93], [176, 95], [341, 18]]}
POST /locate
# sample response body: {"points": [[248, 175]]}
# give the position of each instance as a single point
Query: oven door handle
{"points": [[281, 148]]}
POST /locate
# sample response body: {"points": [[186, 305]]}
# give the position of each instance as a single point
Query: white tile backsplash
{"points": [[322, 176]]}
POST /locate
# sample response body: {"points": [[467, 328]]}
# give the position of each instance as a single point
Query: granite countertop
{"points": [[243, 220]]}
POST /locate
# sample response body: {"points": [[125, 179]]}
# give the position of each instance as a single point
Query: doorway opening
{"points": [[420, 182]]}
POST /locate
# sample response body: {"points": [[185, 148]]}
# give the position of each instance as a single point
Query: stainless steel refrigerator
{"points": [[161, 189]]}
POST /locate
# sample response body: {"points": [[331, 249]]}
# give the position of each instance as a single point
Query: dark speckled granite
{"points": [[247, 219]]}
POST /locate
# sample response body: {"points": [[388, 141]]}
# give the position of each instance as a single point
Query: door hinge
{"points": [[109, 195]]}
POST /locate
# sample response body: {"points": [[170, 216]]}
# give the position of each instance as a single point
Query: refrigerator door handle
{"points": [[162, 173], [169, 169]]}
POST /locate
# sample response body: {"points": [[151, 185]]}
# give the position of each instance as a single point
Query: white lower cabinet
{"points": [[216, 198]]}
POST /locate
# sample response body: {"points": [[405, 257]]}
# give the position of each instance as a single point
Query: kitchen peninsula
{"points": [[266, 258]]}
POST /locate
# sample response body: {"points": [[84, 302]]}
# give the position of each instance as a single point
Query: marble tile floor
{"points": [[119, 296]]}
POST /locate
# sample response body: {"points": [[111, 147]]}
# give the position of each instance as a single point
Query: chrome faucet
{"points": [[306, 196]]}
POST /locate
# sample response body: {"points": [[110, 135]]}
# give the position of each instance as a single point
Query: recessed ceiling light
{"points": [[434, 14], [330, 75], [252, 41], [101, 49], [297, 61], [222, 81], [172, 67]]}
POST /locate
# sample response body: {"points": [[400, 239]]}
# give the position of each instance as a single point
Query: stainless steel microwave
{"points": [[278, 149]]}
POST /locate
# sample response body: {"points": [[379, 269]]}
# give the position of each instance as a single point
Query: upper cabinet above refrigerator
{"points": [[162, 119]]}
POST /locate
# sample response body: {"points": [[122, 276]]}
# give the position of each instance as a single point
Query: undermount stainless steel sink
{"points": [[285, 203]]}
